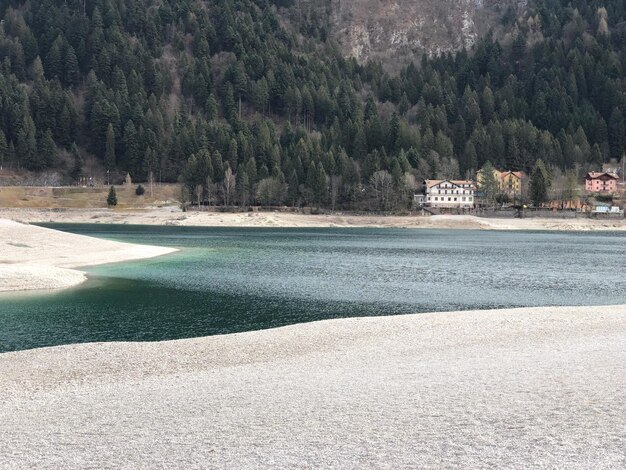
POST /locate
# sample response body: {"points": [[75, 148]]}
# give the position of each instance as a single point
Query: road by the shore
{"points": [[521, 388], [33, 257], [172, 215]]}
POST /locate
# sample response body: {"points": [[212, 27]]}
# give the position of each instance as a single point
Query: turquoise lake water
{"points": [[230, 280]]}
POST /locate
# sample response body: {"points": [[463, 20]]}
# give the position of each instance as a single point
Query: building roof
{"points": [[517, 174], [431, 183], [503, 173], [592, 175], [462, 182]]}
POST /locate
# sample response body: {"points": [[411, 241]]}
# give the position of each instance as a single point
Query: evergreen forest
{"points": [[245, 107]]}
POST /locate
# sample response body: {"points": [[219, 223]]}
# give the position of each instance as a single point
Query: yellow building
{"points": [[480, 175], [509, 182]]}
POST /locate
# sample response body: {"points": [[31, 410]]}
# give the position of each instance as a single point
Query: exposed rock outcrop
{"points": [[397, 31]]}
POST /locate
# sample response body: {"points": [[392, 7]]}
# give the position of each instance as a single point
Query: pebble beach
{"points": [[531, 387], [543, 387], [34, 257]]}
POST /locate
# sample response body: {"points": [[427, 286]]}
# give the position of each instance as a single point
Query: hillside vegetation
{"points": [[246, 106]]}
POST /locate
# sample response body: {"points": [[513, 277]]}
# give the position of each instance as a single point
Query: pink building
{"points": [[597, 182]]}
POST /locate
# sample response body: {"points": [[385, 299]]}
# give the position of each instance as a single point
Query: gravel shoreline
{"points": [[34, 257], [174, 216], [531, 387]]}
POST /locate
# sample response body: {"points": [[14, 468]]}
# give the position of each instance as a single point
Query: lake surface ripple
{"points": [[230, 280]]}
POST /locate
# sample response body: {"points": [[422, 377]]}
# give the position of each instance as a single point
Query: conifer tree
{"points": [[4, 149], [37, 71], [132, 156], [539, 184], [27, 145], [109, 153], [112, 197], [488, 183], [77, 164], [293, 189], [617, 129], [321, 185], [54, 59], [229, 107], [251, 170], [72, 72], [211, 108], [47, 149], [218, 166], [243, 187], [394, 131], [65, 128], [12, 154]]}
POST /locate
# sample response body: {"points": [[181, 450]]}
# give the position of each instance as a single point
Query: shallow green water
{"points": [[230, 280]]}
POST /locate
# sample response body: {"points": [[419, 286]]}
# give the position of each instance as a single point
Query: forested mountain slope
{"points": [[206, 88]]}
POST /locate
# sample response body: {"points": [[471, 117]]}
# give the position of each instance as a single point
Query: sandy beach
{"points": [[172, 215], [39, 258], [542, 387]]}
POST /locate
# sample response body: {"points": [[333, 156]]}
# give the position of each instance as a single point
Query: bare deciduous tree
{"points": [[199, 190], [151, 182], [382, 184], [228, 185], [271, 191], [210, 190], [184, 193], [411, 186], [335, 184]]}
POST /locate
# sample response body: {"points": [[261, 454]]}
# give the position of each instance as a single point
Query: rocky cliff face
{"points": [[396, 31]]}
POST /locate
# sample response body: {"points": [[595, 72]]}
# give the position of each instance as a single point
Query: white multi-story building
{"points": [[453, 194]]}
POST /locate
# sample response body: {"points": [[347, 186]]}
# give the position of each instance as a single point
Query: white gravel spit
{"points": [[34, 257], [541, 388], [174, 216]]}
